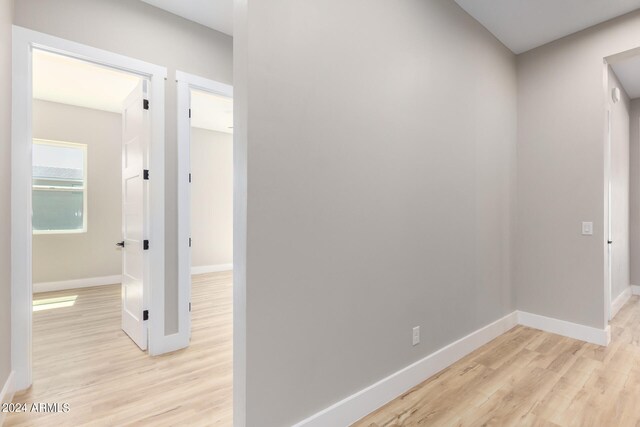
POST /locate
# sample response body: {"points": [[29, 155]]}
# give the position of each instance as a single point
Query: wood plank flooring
{"points": [[82, 357], [523, 378], [531, 378]]}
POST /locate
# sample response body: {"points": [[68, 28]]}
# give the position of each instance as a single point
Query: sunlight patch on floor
{"points": [[51, 303]]}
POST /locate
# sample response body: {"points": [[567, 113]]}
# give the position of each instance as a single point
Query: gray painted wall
{"points": [[211, 197], [381, 153], [561, 128], [620, 279], [58, 257], [141, 31], [6, 17], [634, 190]]}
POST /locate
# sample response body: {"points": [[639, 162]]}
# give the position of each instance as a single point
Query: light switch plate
{"points": [[587, 228], [416, 335]]}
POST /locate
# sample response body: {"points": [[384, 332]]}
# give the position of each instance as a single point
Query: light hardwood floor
{"points": [[531, 378], [524, 377], [82, 357]]}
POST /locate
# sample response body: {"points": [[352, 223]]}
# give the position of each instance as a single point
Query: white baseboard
{"points": [[211, 268], [564, 328], [112, 280], [6, 395], [635, 289], [77, 283], [620, 300], [364, 402]]}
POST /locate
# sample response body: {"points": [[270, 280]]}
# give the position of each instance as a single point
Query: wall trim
{"points": [[6, 395], [620, 301], [211, 268], [564, 328], [89, 282], [362, 403], [635, 290], [77, 283], [365, 401]]}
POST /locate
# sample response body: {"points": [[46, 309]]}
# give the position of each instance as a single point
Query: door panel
{"points": [[135, 125]]}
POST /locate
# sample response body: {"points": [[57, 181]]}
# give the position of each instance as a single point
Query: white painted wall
{"points": [[380, 171], [6, 16], [561, 126], [62, 257], [620, 280], [634, 190], [136, 29], [211, 198]]}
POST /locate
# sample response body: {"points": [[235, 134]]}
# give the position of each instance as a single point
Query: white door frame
{"points": [[187, 82], [24, 41], [609, 223], [606, 224]]}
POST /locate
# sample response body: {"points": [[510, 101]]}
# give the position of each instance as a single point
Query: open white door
{"points": [[135, 143]]}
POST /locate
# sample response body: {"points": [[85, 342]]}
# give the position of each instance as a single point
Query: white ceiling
{"points": [[524, 24], [65, 80], [216, 14], [520, 24], [628, 72], [213, 112]]}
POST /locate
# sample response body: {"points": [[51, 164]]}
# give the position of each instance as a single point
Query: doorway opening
{"points": [[89, 152], [205, 224], [84, 139], [622, 174]]}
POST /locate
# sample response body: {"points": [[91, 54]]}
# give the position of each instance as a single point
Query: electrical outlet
{"points": [[416, 335]]}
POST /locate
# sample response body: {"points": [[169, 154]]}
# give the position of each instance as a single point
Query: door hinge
{"points": [[189, 178], [145, 315], [189, 112], [145, 104], [189, 241], [189, 306], [145, 174], [145, 245]]}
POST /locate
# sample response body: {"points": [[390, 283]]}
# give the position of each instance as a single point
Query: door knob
{"points": [[121, 244]]}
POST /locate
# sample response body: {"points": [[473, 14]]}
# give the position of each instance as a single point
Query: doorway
{"points": [[205, 128], [622, 88], [79, 188], [206, 226], [52, 178]]}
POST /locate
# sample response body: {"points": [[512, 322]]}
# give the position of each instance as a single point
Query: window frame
{"points": [[85, 180]]}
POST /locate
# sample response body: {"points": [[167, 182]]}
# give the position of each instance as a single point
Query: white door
{"points": [[135, 143]]}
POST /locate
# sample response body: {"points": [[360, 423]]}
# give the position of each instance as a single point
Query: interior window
{"points": [[59, 187]]}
